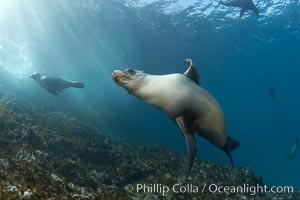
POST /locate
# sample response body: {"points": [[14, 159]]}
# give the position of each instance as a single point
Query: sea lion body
{"points": [[176, 95], [54, 85], [243, 4], [190, 106]]}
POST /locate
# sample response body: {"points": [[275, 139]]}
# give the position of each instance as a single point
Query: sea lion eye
{"points": [[130, 71]]}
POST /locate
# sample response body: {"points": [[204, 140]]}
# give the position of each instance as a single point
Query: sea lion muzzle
{"points": [[119, 77]]}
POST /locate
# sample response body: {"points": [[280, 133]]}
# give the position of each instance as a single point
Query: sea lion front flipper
{"points": [[189, 140], [191, 72], [52, 91], [243, 10]]}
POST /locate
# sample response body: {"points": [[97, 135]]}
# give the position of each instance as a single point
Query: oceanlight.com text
{"points": [[211, 188]]}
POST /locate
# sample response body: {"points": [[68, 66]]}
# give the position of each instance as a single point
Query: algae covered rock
{"points": [[46, 154]]}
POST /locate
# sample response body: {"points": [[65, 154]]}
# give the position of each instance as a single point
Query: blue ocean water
{"points": [[85, 40]]}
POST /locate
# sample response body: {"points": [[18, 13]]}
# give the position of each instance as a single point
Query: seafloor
{"points": [[45, 154]]}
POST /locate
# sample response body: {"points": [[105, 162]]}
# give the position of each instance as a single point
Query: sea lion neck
{"points": [[155, 89], [144, 90]]}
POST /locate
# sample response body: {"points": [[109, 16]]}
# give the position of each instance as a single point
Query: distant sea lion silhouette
{"points": [[243, 4], [272, 90], [190, 106], [294, 149], [54, 85]]}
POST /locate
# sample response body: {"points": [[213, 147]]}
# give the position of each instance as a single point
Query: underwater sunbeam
{"points": [[14, 59]]}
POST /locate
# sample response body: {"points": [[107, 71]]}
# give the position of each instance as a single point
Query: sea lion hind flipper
{"points": [[230, 146], [191, 72], [189, 140], [77, 85]]}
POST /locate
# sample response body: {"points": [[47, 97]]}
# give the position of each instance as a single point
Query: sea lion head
{"points": [[36, 76], [130, 79]]}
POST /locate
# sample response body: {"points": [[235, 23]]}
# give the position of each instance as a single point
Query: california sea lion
{"points": [[190, 106], [294, 149], [54, 85], [243, 4]]}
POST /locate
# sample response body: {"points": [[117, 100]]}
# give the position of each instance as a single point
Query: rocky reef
{"points": [[50, 155]]}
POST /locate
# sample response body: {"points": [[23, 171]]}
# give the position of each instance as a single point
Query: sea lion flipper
{"points": [[243, 10], [77, 85], [230, 146], [256, 11], [189, 140], [192, 148], [52, 91], [191, 72]]}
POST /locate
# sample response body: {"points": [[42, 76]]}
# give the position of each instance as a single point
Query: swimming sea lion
{"points": [[190, 106], [294, 149], [54, 85], [243, 4]]}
